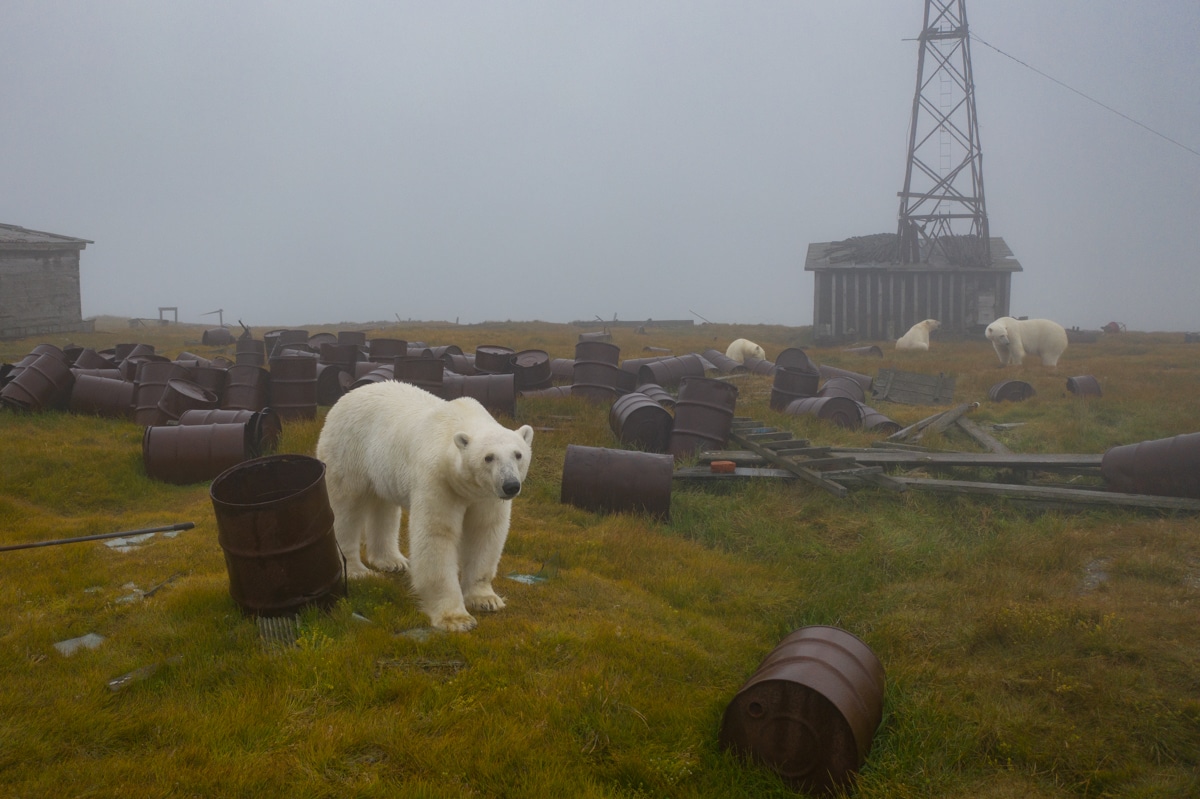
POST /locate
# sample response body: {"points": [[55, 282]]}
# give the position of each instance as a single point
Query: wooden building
{"points": [[39, 283], [861, 295]]}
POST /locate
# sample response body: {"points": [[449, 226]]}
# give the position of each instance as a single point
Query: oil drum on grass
{"points": [[263, 427], [532, 369], [275, 527], [150, 381], [870, 351], [671, 371], [703, 416], [657, 393], [810, 711], [185, 454], [247, 387], [839, 410], [1083, 386], [294, 386], [874, 420], [1011, 391], [617, 481], [641, 423], [426, 373], [332, 382], [184, 395], [598, 351], [792, 383], [865, 381], [760, 366], [842, 387], [1168, 467], [110, 397], [250, 352], [494, 359], [497, 393], [722, 362], [44, 384], [386, 350], [795, 358]]}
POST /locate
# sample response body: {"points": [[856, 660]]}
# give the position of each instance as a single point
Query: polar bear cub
{"points": [[1013, 339], [391, 447], [917, 337], [743, 348]]}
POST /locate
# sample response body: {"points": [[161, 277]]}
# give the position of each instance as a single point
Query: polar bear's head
{"points": [[997, 332], [495, 460], [931, 325]]}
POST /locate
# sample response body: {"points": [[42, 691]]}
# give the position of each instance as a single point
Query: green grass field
{"points": [[1029, 651]]}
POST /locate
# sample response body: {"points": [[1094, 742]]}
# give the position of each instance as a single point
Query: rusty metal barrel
{"points": [[184, 395], [657, 393], [275, 527], [562, 370], [795, 358], [150, 381], [810, 711], [262, 427], [216, 337], [841, 411], [43, 384], [671, 371], [88, 358], [1083, 386], [494, 359], [185, 454], [111, 397], [531, 369], [247, 387], [703, 415], [250, 352], [550, 392], [871, 351], [1168, 467], [838, 386], [594, 375], [723, 363], [294, 386], [617, 481], [355, 338], [426, 373], [1011, 391], [791, 383], [639, 422], [760, 366], [497, 393], [386, 350], [874, 420], [827, 372]]}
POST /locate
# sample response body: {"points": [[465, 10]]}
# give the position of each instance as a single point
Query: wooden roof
{"points": [[14, 237], [864, 252]]}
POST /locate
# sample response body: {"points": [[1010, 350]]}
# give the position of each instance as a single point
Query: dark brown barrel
{"points": [[216, 337], [184, 454], [88, 358], [111, 397], [386, 350], [332, 382], [758, 366], [657, 393], [497, 393], [810, 711], [874, 420], [641, 423], [263, 427], [795, 358], [343, 355], [563, 370], [790, 384], [294, 386], [552, 392], [635, 365], [532, 369], [617, 481], [493, 359], [319, 340], [44, 384], [722, 362], [247, 387], [461, 364], [842, 387], [672, 371], [184, 395], [827, 372], [250, 352], [275, 527], [595, 373], [150, 381], [426, 373], [279, 340], [1083, 386], [598, 351], [839, 410], [210, 377], [1011, 391], [354, 338], [871, 351], [379, 373], [597, 335], [703, 416], [1168, 467]]}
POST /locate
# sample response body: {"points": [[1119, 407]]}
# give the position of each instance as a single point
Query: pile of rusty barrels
{"points": [[802, 387]]}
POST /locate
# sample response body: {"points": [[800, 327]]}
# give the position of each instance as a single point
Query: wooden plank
{"points": [[914, 388], [979, 434], [994, 460], [702, 474], [1077, 496], [943, 418], [807, 475]]}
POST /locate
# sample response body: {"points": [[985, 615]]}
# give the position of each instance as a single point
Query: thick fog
{"points": [[304, 162]]}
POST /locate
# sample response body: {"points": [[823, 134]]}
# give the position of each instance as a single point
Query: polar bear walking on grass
{"points": [[1013, 339], [743, 348], [390, 447], [917, 337]]}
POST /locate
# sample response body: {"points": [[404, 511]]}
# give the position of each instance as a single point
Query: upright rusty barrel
{"points": [[640, 422], [1168, 467], [184, 395], [811, 710], [494, 359], [275, 526], [247, 387], [617, 480], [426, 373], [795, 358], [703, 415], [151, 378], [532, 370], [497, 393], [294, 386], [594, 373], [791, 383]]}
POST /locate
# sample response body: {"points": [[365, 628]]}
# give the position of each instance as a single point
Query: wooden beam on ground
{"points": [[1073, 496], [982, 436], [993, 460], [808, 475]]}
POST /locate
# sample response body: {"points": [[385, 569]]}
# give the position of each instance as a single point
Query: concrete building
{"points": [[39, 283]]}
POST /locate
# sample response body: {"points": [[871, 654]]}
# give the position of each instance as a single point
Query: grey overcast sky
{"points": [[298, 162]]}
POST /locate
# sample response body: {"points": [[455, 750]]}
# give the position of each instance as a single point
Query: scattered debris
{"points": [[913, 388], [278, 631], [72, 645], [1095, 574], [548, 571], [139, 674], [421, 634]]}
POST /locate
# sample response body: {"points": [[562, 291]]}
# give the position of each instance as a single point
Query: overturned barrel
{"points": [[842, 411], [44, 384], [102, 396], [838, 386], [1083, 386], [1168, 467], [617, 480], [497, 393], [1011, 391], [703, 416], [671, 371], [810, 711], [639, 422], [275, 527], [185, 454], [792, 383]]}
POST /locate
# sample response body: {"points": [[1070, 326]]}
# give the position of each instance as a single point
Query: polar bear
{"points": [[1013, 339], [391, 447], [742, 348], [917, 337]]}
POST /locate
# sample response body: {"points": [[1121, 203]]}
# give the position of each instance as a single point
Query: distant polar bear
{"points": [[1013, 339], [390, 447], [742, 348], [917, 337]]}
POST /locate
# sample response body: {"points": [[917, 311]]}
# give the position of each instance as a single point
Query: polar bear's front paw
{"points": [[356, 570], [453, 621], [394, 562], [488, 602]]}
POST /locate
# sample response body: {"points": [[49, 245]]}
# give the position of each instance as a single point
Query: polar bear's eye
{"points": [[489, 458], [518, 455]]}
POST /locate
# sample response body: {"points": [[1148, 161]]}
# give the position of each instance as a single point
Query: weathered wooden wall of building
{"points": [[39, 293]]}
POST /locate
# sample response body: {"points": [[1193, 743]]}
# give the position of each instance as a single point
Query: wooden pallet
{"points": [[913, 388]]}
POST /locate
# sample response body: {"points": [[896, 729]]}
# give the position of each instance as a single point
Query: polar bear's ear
{"points": [[461, 440], [526, 433]]}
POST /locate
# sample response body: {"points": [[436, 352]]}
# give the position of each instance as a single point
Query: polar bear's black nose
{"points": [[511, 488]]}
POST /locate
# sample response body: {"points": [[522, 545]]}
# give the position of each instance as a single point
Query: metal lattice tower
{"points": [[942, 210]]}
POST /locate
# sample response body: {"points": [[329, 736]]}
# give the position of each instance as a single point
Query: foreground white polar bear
{"points": [[742, 348], [390, 446], [917, 337], [1013, 339]]}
